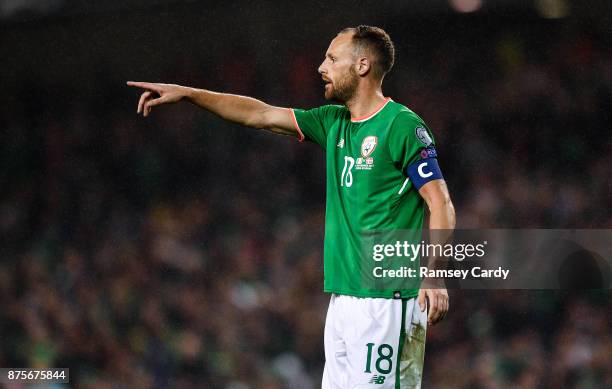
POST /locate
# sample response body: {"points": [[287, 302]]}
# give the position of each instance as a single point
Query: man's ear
{"points": [[363, 66]]}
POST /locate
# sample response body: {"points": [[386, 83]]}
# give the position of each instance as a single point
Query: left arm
{"points": [[442, 217]]}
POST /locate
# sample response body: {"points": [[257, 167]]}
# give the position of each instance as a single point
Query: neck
{"points": [[365, 101]]}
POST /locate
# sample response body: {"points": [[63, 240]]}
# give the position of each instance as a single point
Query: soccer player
{"points": [[381, 170]]}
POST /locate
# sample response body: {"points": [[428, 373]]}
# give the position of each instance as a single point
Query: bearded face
{"points": [[343, 88], [338, 69]]}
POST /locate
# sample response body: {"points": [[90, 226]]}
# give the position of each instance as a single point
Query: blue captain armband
{"points": [[423, 171]]}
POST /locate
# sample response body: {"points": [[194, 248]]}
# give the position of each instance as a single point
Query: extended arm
{"points": [[442, 217], [243, 110]]}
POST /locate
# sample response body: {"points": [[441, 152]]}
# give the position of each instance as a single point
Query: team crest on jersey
{"points": [[368, 145], [366, 162], [423, 136]]}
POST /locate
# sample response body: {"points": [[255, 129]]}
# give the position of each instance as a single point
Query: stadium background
{"points": [[181, 250]]}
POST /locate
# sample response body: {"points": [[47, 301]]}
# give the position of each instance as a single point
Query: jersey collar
{"points": [[371, 115]]}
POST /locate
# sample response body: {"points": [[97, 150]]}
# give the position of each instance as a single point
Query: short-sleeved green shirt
{"points": [[367, 185]]}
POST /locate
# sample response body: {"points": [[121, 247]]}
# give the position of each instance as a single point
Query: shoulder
{"points": [[403, 116], [323, 113], [404, 121], [329, 108], [334, 110], [406, 124]]}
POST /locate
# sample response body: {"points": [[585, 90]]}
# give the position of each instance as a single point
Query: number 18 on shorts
{"points": [[374, 343]]}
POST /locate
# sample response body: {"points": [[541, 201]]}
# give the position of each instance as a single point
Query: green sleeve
{"points": [[409, 139], [313, 124]]}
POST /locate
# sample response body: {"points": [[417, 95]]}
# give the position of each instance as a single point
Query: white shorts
{"points": [[374, 343]]}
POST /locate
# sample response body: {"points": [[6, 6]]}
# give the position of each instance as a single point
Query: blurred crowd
{"points": [[183, 251]]}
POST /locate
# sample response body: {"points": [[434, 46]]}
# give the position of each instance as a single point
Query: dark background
{"points": [[180, 250]]}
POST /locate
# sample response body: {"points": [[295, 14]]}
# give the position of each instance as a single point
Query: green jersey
{"points": [[368, 187]]}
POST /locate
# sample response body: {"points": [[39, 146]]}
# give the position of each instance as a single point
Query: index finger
{"points": [[144, 85], [434, 310]]}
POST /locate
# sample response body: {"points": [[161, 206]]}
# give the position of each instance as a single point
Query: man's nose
{"points": [[321, 69]]}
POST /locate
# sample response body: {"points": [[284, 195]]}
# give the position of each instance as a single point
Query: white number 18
{"points": [[347, 175]]}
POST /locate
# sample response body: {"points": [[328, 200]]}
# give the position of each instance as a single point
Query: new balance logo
{"points": [[377, 379], [341, 143]]}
